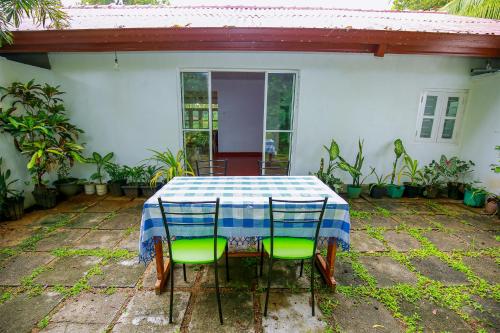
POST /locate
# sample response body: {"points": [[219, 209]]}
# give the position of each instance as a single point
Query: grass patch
{"points": [[383, 212], [82, 284], [44, 322], [5, 296], [101, 253], [29, 244], [360, 214]]}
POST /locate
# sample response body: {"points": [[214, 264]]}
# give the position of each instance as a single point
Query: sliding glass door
{"points": [[196, 116], [279, 109]]}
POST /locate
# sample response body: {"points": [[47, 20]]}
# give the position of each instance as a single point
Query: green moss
{"points": [[383, 212], [44, 322], [5, 296], [359, 214], [101, 253]]}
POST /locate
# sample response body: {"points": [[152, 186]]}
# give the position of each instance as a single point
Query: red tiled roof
{"points": [[105, 17]]}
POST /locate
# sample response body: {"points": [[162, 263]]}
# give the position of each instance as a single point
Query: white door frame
{"points": [[292, 131]]}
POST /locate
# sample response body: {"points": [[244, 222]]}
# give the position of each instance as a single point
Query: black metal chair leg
{"points": [[184, 272], [171, 292], [227, 263], [312, 285], [261, 259], [268, 284], [301, 267], [218, 292]]}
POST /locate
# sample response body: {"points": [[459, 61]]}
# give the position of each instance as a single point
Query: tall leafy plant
{"points": [[354, 169], [6, 183], [399, 150], [454, 170], [411, 170], [326, 175], [35, 117], [100, 162], [169, 166]]}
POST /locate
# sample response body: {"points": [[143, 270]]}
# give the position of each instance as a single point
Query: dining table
{"points": [[244, 216]]}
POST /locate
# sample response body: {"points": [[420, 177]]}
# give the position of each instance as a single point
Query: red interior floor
{"points": [[241, 164]]}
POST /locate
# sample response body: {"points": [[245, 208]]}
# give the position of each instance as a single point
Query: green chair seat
{"points": [[197, 250], [289, 247]]}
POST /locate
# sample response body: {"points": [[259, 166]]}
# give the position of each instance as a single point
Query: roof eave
{"points": [[379, 42]]}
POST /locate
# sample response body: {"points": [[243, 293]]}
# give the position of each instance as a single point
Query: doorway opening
{"points": [[240, 116]]}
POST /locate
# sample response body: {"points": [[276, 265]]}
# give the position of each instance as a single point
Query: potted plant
{"points": [[100, 162], [36, 119], [117, 178], [354, 189], [378, 189], [11, 201], [475, 196], [134, 178], [326, 175], [89, 187], [169, 165], [67, 186], [491, 206], [395, 190], [147, 187], [431, 181], [454, 172], [411, 170]]}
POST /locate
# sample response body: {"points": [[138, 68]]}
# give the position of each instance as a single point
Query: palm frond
{"points": [[475, 8]]}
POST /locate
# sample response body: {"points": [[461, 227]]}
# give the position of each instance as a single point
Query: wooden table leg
{"points": [[162, 267], [327, 267]]}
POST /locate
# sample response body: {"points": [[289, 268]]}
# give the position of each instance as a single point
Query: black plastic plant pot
{"points": [[378, 192], [14, 208], [147, 191], [455, 191], [412, 191], [131, 191], [115, 188], [45, 198], [68, 187], [431, 192], [498, 209]]}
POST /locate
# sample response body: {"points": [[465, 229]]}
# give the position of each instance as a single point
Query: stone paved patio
{"points": [[415, 265]]}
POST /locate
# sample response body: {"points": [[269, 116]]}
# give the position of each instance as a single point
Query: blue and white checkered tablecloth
{"points": [[244, 207]]}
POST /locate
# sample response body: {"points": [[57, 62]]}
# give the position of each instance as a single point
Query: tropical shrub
{"points": [[454, 170], [169, 165], [355, 169], [100, 162]]}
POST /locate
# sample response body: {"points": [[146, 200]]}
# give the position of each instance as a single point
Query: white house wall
{"points": [[341, 96], [482, 128]]}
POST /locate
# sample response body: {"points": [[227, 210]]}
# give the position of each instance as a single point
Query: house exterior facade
{"points": [[344, 90]]}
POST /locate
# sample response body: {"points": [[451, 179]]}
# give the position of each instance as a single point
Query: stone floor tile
{"points": [[52, 219], [479, 240], [438, 270], [286, 274], [488, 314], [90, 308], [13, 270], [242, 273], [77, 203], [87, 220], [484, 267], [486, 223], [434, 318], [130, 242], [414, 221], [134, 207], [445, 241], [290, 312], [109, 206], [124, 273], [67, 271], [74, 328], [401, 241], [22, 313], [344, 274], [362, 242], [237, 312], [148, 312], [360, 315], [10, 237], [100, 239], [192, 271], [388, 271], [60, 238], [386, 222], [454, 223], [398, 208], [121, 221]]}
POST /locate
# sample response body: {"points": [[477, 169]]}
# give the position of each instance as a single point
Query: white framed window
{"points": [[439, 115]]}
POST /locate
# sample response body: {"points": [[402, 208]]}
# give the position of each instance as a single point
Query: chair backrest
{"points": [[211, 168], [305, 212], [274, 168], [187, 214]]}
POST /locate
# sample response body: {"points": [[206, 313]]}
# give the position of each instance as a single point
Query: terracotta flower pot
{"points": [[491, 206]]}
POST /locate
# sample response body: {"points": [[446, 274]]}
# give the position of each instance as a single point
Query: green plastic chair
{"points": [[292, 248], [202, 250]]}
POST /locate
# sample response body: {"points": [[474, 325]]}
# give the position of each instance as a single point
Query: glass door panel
{"points": [[196, 117], [280, 97]]}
